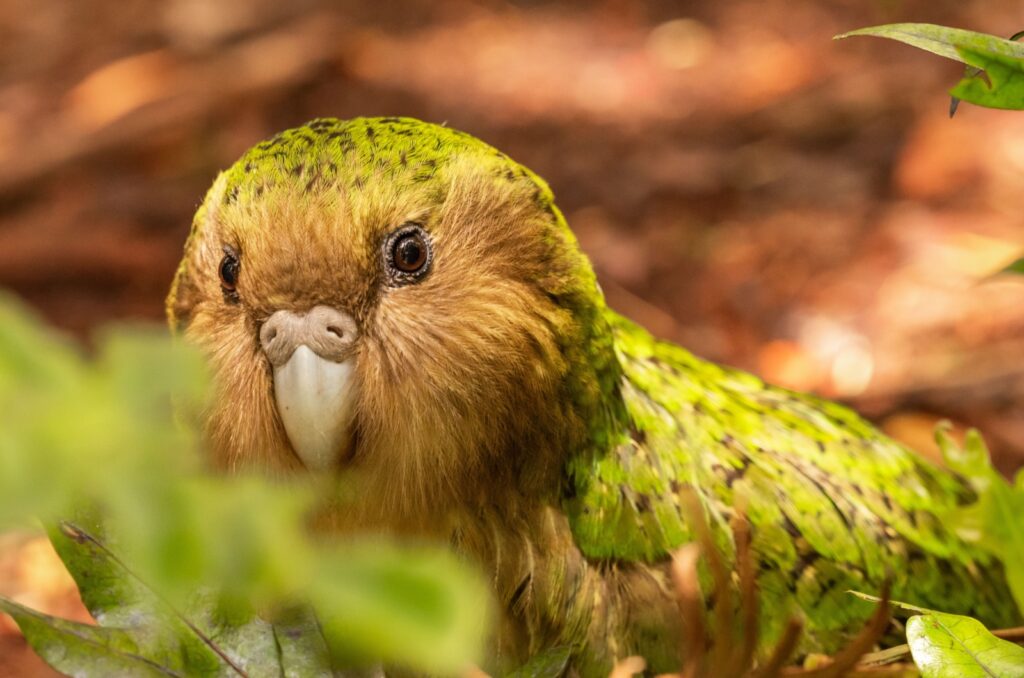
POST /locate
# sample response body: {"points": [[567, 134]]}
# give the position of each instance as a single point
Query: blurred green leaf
{"points": [[951, 646], [28, 354], [137, 624], [1014, 268], [374, 600], [993, 520], [417, 611], [186, 572]]}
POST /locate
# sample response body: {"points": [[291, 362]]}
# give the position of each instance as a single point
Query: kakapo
{"points": [[401, 301]]}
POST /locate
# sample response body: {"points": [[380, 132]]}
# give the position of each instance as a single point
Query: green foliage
{"points": [[1005, 85], [994, 520], [948, 645], [80, 649], [1016, 267], [181, 562], [951, 646], [995, 77]]}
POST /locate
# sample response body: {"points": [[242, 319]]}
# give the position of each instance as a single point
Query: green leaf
{"points": [[551, 663], [1004, 86], [385, 604], [897, 604], [81, 650], [993, 521], [995, 74], [192, 572], [951, 646], [374, 600], [946, 42], [971, 73], [1014, 268], [302, 646], [194, 641], [27, 353]]}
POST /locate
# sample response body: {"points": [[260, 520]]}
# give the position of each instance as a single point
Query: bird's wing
{"points": [[833, 503]]}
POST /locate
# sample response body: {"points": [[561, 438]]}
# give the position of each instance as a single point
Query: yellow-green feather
{"points": [[834, 504]]}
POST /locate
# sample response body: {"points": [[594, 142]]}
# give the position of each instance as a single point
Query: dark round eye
{"points": [[408, 254], [229, 267]]}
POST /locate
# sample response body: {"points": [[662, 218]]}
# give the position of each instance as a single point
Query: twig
{"points": [[691, 608], [748, 593], [733, 655], [848, 657], [783, 650], [1014, 634], [887, 656]]}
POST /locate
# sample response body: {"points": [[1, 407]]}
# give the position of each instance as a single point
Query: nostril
{"points": [[270, 335], [336, 331]]}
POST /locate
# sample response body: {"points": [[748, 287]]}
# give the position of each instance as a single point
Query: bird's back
{"points": [[834, 504]]}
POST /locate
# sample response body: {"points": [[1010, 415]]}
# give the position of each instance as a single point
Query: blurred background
{"points": [[745, 186]]}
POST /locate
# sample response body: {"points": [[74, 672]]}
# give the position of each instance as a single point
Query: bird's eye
{"points": [[229, 268], [408, 254]]}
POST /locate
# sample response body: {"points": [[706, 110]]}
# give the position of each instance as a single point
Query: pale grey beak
{"points": [[312, 357]]}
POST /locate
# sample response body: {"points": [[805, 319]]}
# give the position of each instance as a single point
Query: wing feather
{"points": [[834, 504]]}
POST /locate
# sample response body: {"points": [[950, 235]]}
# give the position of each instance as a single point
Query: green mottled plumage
{"points": [[834, 504], [580, 555]]}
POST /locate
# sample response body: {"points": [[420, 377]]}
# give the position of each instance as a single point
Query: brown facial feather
{"points": [[474, 384], [462, 379]]}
